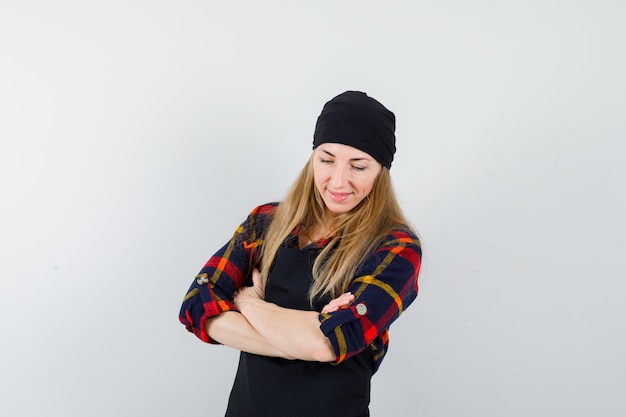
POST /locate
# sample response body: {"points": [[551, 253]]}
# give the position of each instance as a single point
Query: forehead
{"points": [[340, 150]]}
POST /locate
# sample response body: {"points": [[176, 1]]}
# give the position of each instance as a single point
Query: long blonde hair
{"points": [[356, 233]]}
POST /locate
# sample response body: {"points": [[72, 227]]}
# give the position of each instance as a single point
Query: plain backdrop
{"points": [[136, 135]]}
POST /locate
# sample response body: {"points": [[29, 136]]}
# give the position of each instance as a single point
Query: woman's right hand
{"points": [[336, 303]]}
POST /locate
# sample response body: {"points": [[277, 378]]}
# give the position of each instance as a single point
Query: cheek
{"points": [[320, 177], [368, 185], [316, 178], [319, 184]]}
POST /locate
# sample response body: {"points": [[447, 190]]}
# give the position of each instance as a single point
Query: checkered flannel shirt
{"points": [[384, 286]]}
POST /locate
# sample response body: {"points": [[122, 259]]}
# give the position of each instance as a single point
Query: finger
{"points": [[334, 306], [256, 278], [329, 309], [344, 299]]}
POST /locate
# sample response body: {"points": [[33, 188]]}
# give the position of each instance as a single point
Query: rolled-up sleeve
{"points": [[211, 292], [385, 286]]}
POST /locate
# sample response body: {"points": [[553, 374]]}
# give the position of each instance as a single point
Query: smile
{"points": [[338, 197]]}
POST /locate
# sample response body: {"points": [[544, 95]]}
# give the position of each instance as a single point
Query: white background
{"points": [[136, 135]]}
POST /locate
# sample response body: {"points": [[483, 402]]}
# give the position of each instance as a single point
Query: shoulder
{"points": [[401, 236], [401, 244], [266, 209], [259, 218]]}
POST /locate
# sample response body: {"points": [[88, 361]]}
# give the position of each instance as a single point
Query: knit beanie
{"points": [[355, 119]]}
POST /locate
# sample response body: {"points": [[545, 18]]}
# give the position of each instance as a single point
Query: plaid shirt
{"points": [[384, 286]]}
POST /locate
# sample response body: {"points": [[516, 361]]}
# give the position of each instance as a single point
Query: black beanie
{"points": [[352, 118]]}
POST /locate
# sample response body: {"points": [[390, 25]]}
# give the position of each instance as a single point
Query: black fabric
{"points": [[355, 119], [275, 387]]}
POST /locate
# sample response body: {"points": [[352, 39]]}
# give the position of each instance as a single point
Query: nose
{"points": [[338, 176]]}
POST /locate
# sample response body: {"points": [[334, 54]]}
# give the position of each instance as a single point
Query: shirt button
{"points": [[361, 309], [202, 279]]}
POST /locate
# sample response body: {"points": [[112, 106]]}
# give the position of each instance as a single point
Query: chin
{"points": [[335, 208]]}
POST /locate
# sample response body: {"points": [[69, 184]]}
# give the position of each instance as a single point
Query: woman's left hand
{"points": [[250, 294], [339, 302]]}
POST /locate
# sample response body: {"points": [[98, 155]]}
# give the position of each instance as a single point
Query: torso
{"points": [[276, 387]]}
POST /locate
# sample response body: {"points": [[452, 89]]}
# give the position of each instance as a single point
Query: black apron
{"points": [[276, 387]]}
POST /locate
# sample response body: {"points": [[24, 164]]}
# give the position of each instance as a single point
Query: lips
{"points": [[338, 197]]}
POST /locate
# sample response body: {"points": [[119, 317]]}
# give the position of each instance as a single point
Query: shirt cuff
{"points": [[200, 304], [345, 331]]}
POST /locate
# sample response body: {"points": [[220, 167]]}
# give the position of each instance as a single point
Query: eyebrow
{"points": [[351, 159]]}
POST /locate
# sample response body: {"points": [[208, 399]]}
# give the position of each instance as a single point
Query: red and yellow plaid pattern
{"points": [[386, 284]]}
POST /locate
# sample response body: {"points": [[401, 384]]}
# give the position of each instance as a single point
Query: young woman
{"points": [[307, 288]]}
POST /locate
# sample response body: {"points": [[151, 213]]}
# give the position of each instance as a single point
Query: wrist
{"points": [[245, 306]]}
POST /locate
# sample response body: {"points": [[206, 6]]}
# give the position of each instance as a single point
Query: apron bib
{"points": [[276, 387]]}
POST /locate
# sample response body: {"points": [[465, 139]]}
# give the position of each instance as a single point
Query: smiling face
{"points": [[343, 175]]}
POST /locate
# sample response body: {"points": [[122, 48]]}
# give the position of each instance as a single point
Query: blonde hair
{"points": [[356, 233]]}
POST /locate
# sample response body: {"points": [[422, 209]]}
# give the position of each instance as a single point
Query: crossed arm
{"points": [[267, 329]]}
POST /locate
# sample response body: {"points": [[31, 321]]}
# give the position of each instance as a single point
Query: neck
{"points": [[317, 232]]}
